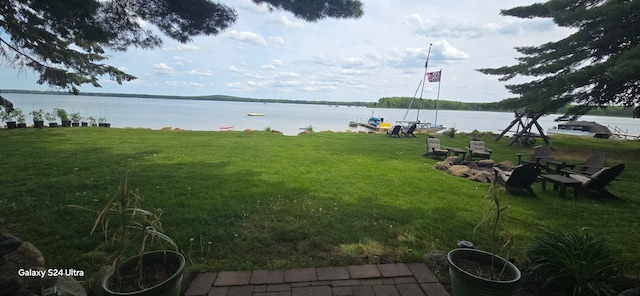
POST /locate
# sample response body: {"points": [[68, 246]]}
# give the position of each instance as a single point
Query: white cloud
{"points": [[276, 41], [199, 72], [247, 37], [187, 47], [284, 21]]}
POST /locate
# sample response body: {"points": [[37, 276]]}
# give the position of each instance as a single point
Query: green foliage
{"points": [[124, 223], [62, 114], [575, 262], [75, 117], [51, 116], [19, 115], [595, 67], [65, 41], [38, 115]]}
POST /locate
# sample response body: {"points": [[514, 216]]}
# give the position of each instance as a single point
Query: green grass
{"points": [[266, 201]]}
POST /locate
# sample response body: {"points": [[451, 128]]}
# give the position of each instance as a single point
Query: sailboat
{"points": [[427, 77]]}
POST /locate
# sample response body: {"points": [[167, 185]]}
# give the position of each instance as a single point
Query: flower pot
{"points": [[104, 124], [169, 287], [84, 123], [464, 283], [11, 124], [66, 123], [53, 124], [75, 124], [38, 123], [22, 125]]}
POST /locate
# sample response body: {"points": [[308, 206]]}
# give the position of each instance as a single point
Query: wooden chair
{"points": [[410, 131], [521, 177], [477, 149], [395, 131], [540, 156], [597, 182], [434, 150], [592, 165]]}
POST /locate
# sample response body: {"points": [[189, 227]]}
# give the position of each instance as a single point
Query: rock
{"points": [[95, 284], [631, 292], [453, 160], [437, 260], [460, 171], [68, 286], [27, 257], [482, 177], [442, 165], [8, 243], [486, 163], [506, 165]]}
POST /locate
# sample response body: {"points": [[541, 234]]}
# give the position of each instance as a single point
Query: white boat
{"points": [[255, 114], [581, 128]]}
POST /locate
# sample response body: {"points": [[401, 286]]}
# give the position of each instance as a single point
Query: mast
{"points": [[426, 65]]}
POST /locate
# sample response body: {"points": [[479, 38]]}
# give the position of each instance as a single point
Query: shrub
{"points": [[575, 263]]}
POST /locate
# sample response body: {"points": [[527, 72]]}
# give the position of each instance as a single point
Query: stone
{"points": [[460, 171], [27, 256], [506, 165], [438, 262], [482, 177], [95, 284], [453, 160], [486, 163], [69, 286], [442, 165], [8, 243]]}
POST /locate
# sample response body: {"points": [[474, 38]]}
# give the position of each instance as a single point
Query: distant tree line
{"points": [[392, 102]]}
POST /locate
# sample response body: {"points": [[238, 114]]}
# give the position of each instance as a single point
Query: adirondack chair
{"points": [[395, 131], [540, 155], [477, 149], [592, 165], [409, 132], [521, 177], [434, 150], [597, 182]]}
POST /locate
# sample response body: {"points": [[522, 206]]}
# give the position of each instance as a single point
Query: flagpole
{"points": [[424, 78], [435, 121]]}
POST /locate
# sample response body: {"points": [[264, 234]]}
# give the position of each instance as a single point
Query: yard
{"points": [[260, 200]]}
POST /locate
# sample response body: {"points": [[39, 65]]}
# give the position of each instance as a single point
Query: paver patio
{"points": [[397, 279]]}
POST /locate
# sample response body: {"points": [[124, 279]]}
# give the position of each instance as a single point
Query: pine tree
{"points": [[595, 67]]}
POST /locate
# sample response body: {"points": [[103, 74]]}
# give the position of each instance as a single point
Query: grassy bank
{"points": [[264, 200]]}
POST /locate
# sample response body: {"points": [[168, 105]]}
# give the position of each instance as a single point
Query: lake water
{"points": [[287, 118]]}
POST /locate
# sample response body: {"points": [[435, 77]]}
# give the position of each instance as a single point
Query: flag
{"points": [[434, 76]]}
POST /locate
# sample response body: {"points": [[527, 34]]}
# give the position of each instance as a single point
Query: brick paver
{"points": [[396, 279]]}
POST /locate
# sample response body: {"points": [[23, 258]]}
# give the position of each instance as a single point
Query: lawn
{"points": [[261, 200]]}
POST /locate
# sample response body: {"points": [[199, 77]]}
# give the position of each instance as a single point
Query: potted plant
{"points": [[64, 117], [38, 118], [75, 119], [20, 118], [92, 121], [102, 122], [451, 132], [51, 118], [476, 272], [129, 228], [8, 118]]}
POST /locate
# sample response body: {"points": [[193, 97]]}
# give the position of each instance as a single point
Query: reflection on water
{"points": [[288, 118]]}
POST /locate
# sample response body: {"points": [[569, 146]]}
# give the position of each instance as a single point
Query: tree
{"points": [[65, 41], [595, 67]]}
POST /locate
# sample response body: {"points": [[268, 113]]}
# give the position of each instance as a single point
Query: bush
{"points": [[575, 263]]}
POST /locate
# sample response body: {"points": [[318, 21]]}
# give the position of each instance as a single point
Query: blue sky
{"points": [[273, 55]]}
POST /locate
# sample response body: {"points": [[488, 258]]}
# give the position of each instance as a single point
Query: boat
{"points": [[255, 114], [581, 128], [226, 127]]}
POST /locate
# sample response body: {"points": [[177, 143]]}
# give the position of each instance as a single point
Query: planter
{"points": [[38, 123], [22, 125], [11, 124], [53, 124], [104, 124], [66, 123], [169, 287], [464, 283], [84, 123], [75, 124]]}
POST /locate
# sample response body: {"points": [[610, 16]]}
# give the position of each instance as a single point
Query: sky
{"points": [[273, 55]]}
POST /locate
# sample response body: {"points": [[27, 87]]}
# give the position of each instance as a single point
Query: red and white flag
{"points": [[434, 76]]}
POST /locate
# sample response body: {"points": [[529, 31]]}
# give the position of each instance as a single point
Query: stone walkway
{"points": [[397, 279]]}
